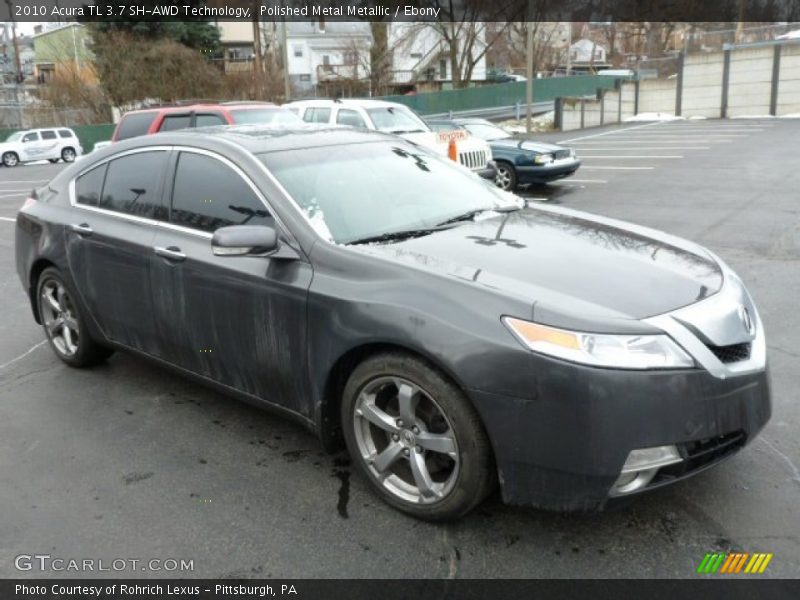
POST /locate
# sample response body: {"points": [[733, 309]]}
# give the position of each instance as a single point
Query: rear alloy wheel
{"points": [[416, 438], [63, 323], [10, 159], [68, 155], [505, 177]]}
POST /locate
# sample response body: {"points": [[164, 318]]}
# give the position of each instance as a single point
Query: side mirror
{"points": [[244, 240]]}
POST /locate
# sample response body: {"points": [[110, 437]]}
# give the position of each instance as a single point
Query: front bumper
{"points": [[564, 447], [489, 172], [545, 173]]}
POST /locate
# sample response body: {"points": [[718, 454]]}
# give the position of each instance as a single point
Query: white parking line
{"points": [[613, 131], [646, 148], [597, 167], [12, 195], [570, 180], [8, 219], [24, 181], [14, 190], [632, 157]]}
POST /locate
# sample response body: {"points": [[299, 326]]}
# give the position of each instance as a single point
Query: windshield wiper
{"points": [[392, 236], [401, 131], [470, 215]]}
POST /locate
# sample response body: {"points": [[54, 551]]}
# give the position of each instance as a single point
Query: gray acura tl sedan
{"points": [[451, 336]]}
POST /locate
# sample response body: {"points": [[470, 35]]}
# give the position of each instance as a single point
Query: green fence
{"points": [[503, 94], [87, 134]]}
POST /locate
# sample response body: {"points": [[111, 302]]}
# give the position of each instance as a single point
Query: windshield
{"points": [[487, 132], [357, 191], [15, 137], [261, 116], [394, 119]]}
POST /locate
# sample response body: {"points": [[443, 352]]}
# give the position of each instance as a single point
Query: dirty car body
{"points": [[599, 358]]}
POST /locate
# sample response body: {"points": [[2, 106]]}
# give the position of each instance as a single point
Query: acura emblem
{"points": [[746, 319]]}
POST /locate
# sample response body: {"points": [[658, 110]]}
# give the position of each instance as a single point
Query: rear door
{"points": [[110, 239], [241, 320], [50, 144]]}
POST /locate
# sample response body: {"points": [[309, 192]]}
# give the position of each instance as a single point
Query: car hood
{"points": [[577, 269], [526, 144], [426, 139]]}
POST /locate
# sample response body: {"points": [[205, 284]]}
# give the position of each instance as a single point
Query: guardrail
{"points": [[496, 113]]}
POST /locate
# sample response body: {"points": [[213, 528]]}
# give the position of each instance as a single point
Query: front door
{"points": [[240, 321]]}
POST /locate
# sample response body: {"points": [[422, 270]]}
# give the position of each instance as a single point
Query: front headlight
{"points": [[599, 349], [543, 159]]}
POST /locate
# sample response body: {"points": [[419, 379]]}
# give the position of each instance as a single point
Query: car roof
{"points": [[202, 106], [259, 139], [362, 102]]}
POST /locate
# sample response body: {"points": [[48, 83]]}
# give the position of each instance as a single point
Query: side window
{"points": [[345, 116], [65, 133], [89, 186], [208, 194], [31, 137], [173, 122], [133, 184], [48, 135], [317, 115], [135, 124], [208, 120]]}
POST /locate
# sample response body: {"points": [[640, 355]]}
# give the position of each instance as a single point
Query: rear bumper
{"points": [[544, 173], [564, 447]]}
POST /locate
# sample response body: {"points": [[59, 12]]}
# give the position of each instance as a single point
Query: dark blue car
{"points": [[519, 160]]}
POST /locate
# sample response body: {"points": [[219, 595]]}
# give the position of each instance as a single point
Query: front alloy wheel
{"points": [[416, 437], [10, 159], [505, 177], [406, 440]]}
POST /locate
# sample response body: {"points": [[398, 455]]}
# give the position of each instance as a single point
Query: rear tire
{"points": [[10, 159], [416, 438], [64, 323], [68, 155]]}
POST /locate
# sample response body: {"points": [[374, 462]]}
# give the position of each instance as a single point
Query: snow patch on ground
{"points": [[544, 122], [654, 116]]}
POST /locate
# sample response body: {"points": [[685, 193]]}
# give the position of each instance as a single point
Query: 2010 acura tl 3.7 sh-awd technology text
{"points": [[455, 338]]}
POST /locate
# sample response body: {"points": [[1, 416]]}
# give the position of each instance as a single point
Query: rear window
{"points": [[65, 133], [48, 135], [209, 120], [316, 114], [173, 122], [89, 186], [135, 124]]}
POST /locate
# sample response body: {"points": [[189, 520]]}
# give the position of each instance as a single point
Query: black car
{"points": [[519, 159], [454, 338]]}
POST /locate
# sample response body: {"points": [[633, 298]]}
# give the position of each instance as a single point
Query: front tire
{"points": [[10, 159], [64, 323], [506, 177], [416, 438]]}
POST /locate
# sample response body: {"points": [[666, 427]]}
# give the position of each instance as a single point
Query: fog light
{"points": [[641, 466]]}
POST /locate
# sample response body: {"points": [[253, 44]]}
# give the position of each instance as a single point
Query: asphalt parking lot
{"points": [[128, 461]]}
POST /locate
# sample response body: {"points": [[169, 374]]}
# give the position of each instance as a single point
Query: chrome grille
{"points": [[473, 160]]}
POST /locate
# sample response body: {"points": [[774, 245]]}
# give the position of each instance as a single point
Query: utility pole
{"points": [[529, 75], [287, 88]]}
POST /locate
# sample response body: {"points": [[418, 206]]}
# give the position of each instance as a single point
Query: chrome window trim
{"points": [[164, 224]]}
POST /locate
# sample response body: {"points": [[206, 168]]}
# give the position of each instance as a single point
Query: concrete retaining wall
{"points": [[756, 85]]}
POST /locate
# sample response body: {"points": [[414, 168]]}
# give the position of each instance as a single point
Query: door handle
{"points": [[82, 229], [172, 253]]}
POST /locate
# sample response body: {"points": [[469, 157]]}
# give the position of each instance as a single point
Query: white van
{"points": [[53, 144], [391, 117]]}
